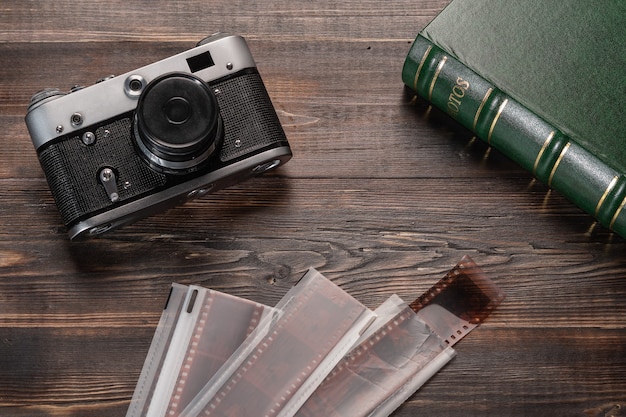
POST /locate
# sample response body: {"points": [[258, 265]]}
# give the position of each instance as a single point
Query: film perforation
{"points": [[256, 318]]}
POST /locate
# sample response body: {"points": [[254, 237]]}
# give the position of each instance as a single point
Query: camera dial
{"points": [[42, 96], [177, 123]]}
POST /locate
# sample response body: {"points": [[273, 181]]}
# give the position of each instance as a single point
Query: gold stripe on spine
{"points": [[432, 84], [606, 193], [419, 68], [543, 149], [616, 215], [558, 161], [495, 120], [480, 108]]}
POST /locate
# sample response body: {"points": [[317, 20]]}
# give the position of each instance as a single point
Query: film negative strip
{"points": [[274, 371], [155, 358], [404, 351], [209, 328], [220, 323], [403, 347], [459, 302]]}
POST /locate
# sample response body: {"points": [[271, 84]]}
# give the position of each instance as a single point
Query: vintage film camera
{"points": [[136, 144]]}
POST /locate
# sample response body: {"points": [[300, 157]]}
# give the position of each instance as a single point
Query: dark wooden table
{"points": [[382, 196]]}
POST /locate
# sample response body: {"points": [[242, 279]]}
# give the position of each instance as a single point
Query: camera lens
{"points": [[177, 123]]}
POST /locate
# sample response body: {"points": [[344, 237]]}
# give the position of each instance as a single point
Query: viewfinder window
{"points": [[200, 62]]}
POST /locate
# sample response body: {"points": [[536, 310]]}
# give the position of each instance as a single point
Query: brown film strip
{"points": [[459, 302]]}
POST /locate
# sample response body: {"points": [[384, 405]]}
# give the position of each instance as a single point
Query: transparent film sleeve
{"points": [[385, 312], [403, 351], [157, 352], [282, 362], [211, 327], [398, 357]]}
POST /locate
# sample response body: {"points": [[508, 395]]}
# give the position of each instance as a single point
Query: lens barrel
{"points": [[177, 123]]}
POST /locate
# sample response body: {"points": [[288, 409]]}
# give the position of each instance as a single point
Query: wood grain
{"points": [[383, 196]]}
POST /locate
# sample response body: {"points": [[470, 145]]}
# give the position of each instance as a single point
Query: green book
{"points": [[542, 81]]}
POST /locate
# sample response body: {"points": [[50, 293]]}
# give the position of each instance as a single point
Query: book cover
{"points": [[542, 82]]}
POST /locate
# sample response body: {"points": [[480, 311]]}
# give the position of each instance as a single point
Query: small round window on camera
{"points": [[76, 119], [133, 85]]}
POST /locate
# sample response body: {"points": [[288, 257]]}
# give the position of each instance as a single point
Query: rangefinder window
{"points": [[200, 62]]}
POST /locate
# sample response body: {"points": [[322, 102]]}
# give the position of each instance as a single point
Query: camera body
{"points": [[133, 145]]}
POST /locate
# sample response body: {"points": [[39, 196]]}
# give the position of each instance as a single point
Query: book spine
{"points": [[540, 148]]}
